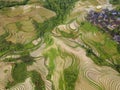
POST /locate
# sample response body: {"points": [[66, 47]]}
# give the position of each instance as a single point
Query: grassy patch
{"points": [[67, 35], [61, 83], [19, 72], [10, 60], [5, 46], [29, 46], [51, 54], [12, 3], [37, 80], [98, 60], [115, 1], [70, 76], [48, 40], [27, 59], [88, 27]]}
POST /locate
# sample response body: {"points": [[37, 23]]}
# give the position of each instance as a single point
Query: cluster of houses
{"points": [[108, 20]]}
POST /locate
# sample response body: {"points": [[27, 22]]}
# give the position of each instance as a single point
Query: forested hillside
{"points": [[115, 1], [12, 3]]}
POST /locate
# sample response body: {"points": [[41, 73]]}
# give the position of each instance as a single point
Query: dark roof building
{"points": [[108, 20], [117, 38]]}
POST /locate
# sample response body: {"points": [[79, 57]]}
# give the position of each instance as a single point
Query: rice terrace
{"points": [[59, 44]]}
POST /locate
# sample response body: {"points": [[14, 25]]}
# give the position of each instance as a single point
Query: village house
{"points": [[106, 19]]}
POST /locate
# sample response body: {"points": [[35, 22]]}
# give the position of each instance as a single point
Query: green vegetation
{"points": [[88, 27], [96, 40], [12, 3], [26, 58], [19, 25], [70, 76], [61, 83], [118, 48], [10, 60], [68, 35], [118, 8], [6, 46], [48, 39], [19, 72], [115, 1], [45, 27], [9, 47], [98, 60], [37, 80], [117, 67], [28, 46], [62, 9], [51, 54]]}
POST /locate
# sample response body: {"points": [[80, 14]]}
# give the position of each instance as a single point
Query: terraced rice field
{"points": [[24, 86], [17, 21]]}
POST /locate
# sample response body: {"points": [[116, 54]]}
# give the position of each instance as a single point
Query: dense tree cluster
{"points": [[115, 1], [20, 73], [70, 77], [12, 3], [37, 80], [7, 46], [61, 8], [26, 58]]}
